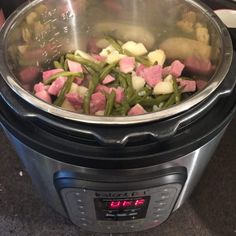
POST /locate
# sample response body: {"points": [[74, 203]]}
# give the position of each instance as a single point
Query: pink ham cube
{"points": [[108, 79], [40, 87], [176, 68], [97, 102], [47, 74], [75, 99], [198, 65], [103, 89], [120, 94], [56, 86], [29, 74], [140, 70], [44, 95], [153, 75], [187, 85], [127, 64], [75, 66], [136, 110]]}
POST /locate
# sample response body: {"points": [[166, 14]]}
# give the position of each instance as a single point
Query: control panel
{"points": [[119, 207], [119, 214]]}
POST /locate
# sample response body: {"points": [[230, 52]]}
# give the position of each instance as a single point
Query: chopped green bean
{"points": [[57, 65], [106, 71], [63, 74], [115, 44], [170, 102], [66, 88], [62, 60], [85, 62], [65, 66], [176, 91], [149, 102], [139, 59], [110, 103], [92, 86]]}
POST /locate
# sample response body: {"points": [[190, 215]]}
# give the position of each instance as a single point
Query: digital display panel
{"points": [[121, 208]]}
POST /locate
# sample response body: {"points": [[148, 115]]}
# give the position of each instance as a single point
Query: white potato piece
{"points": [[158, 56], [106, 51], [67, 105], [163, 88], [84, 55], [138, 82], [74, 88], [168, 78], [137, 49], [100, 113], [182, 48], [113, 57], [82, 91], [126, 32]]}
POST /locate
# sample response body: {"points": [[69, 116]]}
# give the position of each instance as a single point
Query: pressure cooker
{"points": [[111, 174]]}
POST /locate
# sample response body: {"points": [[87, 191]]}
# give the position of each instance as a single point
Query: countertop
{"points": [[210, 211]]}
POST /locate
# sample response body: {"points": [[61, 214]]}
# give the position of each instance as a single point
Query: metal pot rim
{"points": [[216, 80]]}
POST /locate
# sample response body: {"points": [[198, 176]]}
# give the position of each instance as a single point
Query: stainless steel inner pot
{"points": [[38, 32]]}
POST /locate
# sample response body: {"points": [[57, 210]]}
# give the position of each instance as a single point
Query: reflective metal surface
{"points": [[42, 168], [43, 30]]}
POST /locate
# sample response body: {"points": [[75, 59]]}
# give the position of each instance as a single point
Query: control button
{"points": [[165, 196], [133, 214], [82, 212], [108, 227], [110, 215], [132, 226], [79, 200], [83, 219], [156, 221], [77, 194], [85, 224], [81, 206], [121, 215], [157, 216]]}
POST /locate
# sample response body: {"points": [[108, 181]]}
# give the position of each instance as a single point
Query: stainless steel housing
{"points": [[68, 25]]}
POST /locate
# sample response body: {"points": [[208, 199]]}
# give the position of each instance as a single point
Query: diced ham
{"points": [[56, 86], [136, 110], [75, 99], [152, 75], [44, 95], [98, 57], [198, 66], [140, 69], [29, 74], [166, 71], [176, 68], [74, 66], [40, 87], [187, 85], [103, 89], [97, 102], [201, 84], [78, 80], [48, 73], [120, 94], [127, 64], [108, 79]]}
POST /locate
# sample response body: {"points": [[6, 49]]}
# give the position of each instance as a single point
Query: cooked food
{"points": [[123, 79]]}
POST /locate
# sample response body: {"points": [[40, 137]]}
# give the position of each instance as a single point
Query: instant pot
{"points": [[111, 174]]}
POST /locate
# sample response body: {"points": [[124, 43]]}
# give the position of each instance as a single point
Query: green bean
{"points": [[106, 71], [170, 102], [85, 62], [115, 44], [65, 65], [123, 108], [63, 74], [66, 88], [92, 86], [139, 59], [149, 102], [176, 91], [57, 65], [110, 103], [130, 89]]}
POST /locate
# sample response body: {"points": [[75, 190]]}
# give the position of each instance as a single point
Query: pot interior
{"points": [[42, 31]]}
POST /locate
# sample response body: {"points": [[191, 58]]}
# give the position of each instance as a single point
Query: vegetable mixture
{"points": [[123, 79]]}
